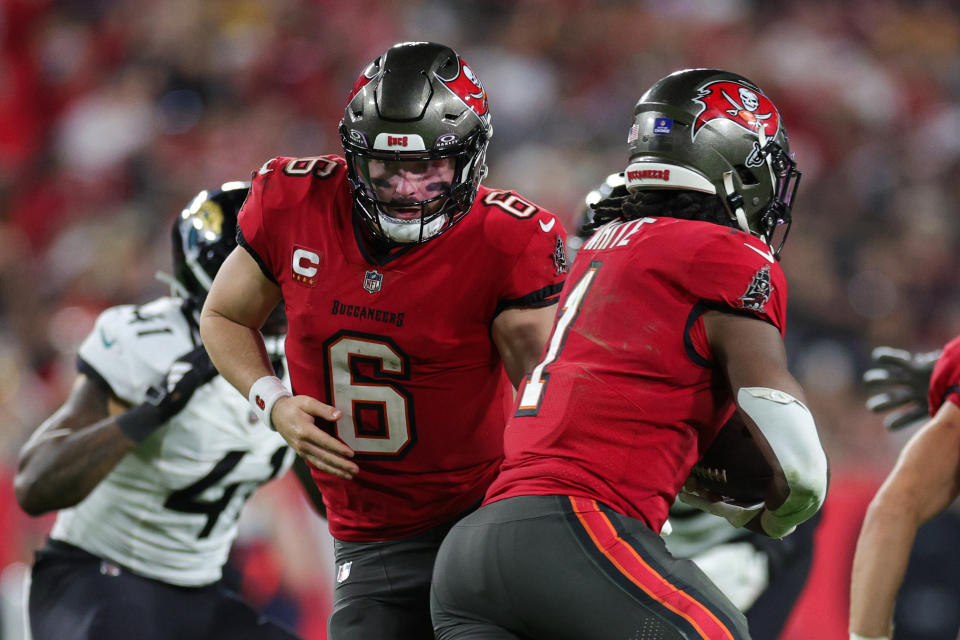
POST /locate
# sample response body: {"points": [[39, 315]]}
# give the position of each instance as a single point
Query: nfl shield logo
{"points": [[372, 281], [663, 125], [343, 571]]}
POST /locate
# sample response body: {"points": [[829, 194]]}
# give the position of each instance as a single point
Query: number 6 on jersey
{"points": [[377, 412], [536, 384]]}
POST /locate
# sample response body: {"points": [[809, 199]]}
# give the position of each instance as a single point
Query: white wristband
{"points": [[264, 393], [857, 636]]}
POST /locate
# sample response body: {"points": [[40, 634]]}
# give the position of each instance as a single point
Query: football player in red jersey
{"points": [[671, 320], [416, 300], [922, 484], [762, 576]]}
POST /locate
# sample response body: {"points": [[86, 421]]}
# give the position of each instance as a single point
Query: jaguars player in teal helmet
{"points": [[148, 463], [763, 577]]}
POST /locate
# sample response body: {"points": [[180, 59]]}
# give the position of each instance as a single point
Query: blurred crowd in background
{"points": [[114, 113]]}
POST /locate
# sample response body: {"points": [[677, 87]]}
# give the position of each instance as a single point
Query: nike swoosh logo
{"points": [[546, 227], [107, 343], [766, 254], [263, 170]]}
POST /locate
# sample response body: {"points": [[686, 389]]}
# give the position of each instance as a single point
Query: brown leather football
{"points": [[733, 466]]}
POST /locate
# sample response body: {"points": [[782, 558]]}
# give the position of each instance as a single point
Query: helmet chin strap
{"points": [[176, 287], [733, 196], [735, 200], [407, 232], [761, 133], [768, 160]]}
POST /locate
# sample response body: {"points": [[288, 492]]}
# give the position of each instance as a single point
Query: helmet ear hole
{"points": [[746, 176], [448, 69]]}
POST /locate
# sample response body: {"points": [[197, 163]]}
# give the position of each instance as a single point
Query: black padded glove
{"points": [[899, 380], [187, 374]]}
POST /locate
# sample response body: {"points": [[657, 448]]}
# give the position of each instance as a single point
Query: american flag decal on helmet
{"points": [[758, 293]]}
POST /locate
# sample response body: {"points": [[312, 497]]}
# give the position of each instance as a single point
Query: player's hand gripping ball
{"points": [[733, 468]]}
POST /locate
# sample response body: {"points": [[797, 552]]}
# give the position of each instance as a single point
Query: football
{"points": [[733, 466]]}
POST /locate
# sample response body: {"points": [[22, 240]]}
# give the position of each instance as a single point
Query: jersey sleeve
{"points": [[280, 192], [737, 272], [127, 351], [945, 379], [540, 268], [251, 225]]}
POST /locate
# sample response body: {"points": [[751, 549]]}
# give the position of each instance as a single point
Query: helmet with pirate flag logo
{"points": [[716, 132], [415, 135]]}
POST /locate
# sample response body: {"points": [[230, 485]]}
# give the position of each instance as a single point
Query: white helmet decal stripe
{"points": [[662, 175], [399, 142]]}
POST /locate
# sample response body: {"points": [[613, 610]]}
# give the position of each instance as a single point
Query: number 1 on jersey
{"points": [[536, 384]]}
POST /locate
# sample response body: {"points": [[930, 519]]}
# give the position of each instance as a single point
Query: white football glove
{"points": [[737, 515]]}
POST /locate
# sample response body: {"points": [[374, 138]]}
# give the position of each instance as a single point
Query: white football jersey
{"points": [[693, 531], [169, 509]]}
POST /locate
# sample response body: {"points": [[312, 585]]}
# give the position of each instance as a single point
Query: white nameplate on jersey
{"points": [[615, 234], [399, 142]]}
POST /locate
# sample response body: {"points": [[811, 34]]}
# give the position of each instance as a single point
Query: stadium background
{"points": [[113, 113]]}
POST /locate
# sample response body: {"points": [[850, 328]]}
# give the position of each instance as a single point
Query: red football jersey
{"points": [[401, 344], [628, 394], [945, 379]]}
